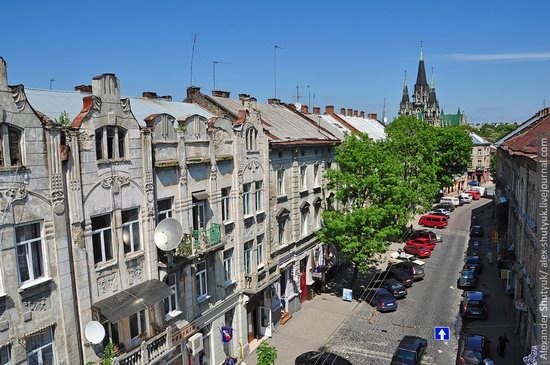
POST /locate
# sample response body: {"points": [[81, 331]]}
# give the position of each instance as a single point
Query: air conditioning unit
{"points": [[194, 344]]}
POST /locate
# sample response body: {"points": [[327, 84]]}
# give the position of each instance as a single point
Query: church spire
{"points": [[405, 98], [421, 76], [421, 52]]}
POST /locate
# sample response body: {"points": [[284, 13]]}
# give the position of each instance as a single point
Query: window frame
{"points": [[108, 326], [101, 231], [6, 158], [317, 214], [281, 223], [29, 255], [316, 179], [304, 215], [132, 226], [247, 257], [172, 300], [258, 191], [246, 199], [199, 215], [39, 350], [141, 324], [116, 143], [281, 182], [228, 267], [303, 177], [200, 276], [260, 251], [7, 348], [225, 204], [168, 213]]}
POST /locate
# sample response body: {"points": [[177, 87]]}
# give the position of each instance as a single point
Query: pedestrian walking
{"points": [[502, 341]]}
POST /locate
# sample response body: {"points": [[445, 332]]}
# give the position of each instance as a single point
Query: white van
{"points": [[449, 199], [482, 190]]}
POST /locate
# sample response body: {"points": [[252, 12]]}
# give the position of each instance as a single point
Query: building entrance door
{"points": [[264, 321]]}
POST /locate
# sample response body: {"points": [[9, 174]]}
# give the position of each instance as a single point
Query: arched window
{"points": [[11, 137], [251, 139], [110, 143]]}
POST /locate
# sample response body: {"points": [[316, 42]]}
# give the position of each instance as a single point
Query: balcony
{"points": [[149, 352], [206, 239], [258, 281]]}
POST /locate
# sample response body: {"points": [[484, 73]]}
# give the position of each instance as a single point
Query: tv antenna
{"points": [[275, 48], [384, 111], [214, 63], [192, 57], [51, 82]]}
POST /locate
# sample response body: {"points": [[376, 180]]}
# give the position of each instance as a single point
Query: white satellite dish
{"points": [[168, 234], [94, 332], [298, 107]]}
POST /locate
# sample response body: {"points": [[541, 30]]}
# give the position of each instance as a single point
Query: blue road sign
{"points": [[442, 333]]}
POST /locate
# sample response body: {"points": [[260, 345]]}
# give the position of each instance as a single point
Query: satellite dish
{"points": [[168, 234], [298, 107], [94, 332]]}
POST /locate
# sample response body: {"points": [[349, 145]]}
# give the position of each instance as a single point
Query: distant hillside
{"points": [[493, 132]]}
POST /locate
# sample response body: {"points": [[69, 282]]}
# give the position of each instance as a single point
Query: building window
{"points": [[246, 199], [228, 266], [225, 204], [111, 333], [248, 257], [202, 281], [102, 238], [110, 143], [304, 221], [258, 195], [329, 165], [5, 355], [303, 177], [251, 139], [13, 156], [316, 180], [130, 230], [170, 303], [199, 215], [137, 326], [281, 181], [317, 213], [164, 209], [30, 254], [40, 348], [282, 221], [260, 255]]}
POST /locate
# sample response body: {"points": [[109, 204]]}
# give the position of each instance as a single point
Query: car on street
{"points": [[421, 242], [476, 231], [404, 278], [426, 232], [467, 279], [450, 199], [434, 221], [393, 286], [474, 248], [316, 357], [475, 194], [474, 305], [467, 198], [447, 206], [415, 270], [439, 211], [381, 299], [419, 251], [473, 262], [410, 351], [400, 256], [439, 214], [473, 350]]}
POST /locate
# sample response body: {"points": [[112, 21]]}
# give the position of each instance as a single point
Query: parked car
{"points": [[473, 350], [476, 231], [473, 262], [381, 299], [474, 248], [415, 270], [404, 278], [467, 279], [393, 286], [439, 211], [435, 221], [426, 232], [445, 205], [420, 251], [400, 256], [467, 198], [439, 214], [450, 199], [316, 357], [475, 194], [481, 189], [473, 305], [410, 351], [419, 242]]}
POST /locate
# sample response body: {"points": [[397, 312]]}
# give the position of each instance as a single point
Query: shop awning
{"points": [[501, 200], [133, 300], [200, 195]]}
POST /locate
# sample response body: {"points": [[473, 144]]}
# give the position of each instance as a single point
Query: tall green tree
{"points": [[454, 153]]}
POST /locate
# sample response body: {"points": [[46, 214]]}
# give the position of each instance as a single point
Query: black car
{"points": [[473, 305], [410, 351], [467, 279], [412, 268], [316, 357], [472, 350], [473, 262], [474, 249], [402, 277], [476, 231], [394, 287], [450, 207]]}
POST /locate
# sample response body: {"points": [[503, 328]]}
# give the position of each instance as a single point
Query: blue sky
{"points": [[491, 58]]}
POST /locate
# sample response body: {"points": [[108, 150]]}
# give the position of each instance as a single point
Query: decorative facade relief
{"points": [[106, 284], [37, 303], [135, 271], [77, 234], [96, 104], [125, 105], [18, 95], [85, 141], [16, 193], [115, 182], [56, 194]]}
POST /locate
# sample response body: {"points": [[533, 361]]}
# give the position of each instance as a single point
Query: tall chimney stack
{"points": [[350, 112], [362, 114], [343, 111], [304, 109], [316, 110], [355, 113], [329, 109]]}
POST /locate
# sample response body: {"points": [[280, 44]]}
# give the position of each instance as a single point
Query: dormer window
{"points": [[251, 139], [110, 143], [10, 146]]}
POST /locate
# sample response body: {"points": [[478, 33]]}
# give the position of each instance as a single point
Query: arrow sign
{"points": [[442, 333]]}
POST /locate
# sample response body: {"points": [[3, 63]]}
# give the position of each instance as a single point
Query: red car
{"points": [[418, 251], [475, 194], [429, 239], [421, 243], [436, 221]]}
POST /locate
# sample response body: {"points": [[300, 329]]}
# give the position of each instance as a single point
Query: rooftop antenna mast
{"points": [[192, 57], [214, 63], [384, 111], [275, 48], [51, 83]]}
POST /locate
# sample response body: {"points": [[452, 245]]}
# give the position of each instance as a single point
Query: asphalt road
{"points": [[370, 337]]}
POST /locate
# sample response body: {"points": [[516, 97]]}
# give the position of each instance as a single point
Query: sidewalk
{"points": [[501, 311], [308, 330]]}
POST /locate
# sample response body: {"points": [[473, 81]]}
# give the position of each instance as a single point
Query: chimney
{"points": [[83, 88], [166, 97], [193, 90], [243, 96], [350, 112], [3, 75], [273, 101], [304, 109], [316, 110], [149, 95], [221, 93], [362, 114], [106, 87], [355, 113], [329, 109], [343, 111], [372, 116]]}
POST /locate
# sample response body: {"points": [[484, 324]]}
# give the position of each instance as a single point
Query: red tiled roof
{"points": [[525, 142]]}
